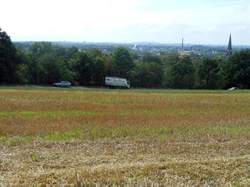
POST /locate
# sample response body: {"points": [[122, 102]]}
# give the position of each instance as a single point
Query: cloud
{"points": [[126, 20]]}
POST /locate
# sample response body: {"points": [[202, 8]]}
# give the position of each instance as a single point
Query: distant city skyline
{"points": [[128, 21]]}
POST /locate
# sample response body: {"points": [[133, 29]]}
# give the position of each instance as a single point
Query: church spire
{"points": [[230, 48]]}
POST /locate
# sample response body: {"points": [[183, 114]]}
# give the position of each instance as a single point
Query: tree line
{"points": [[44, 63]]}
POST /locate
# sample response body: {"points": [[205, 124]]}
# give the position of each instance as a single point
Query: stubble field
{"points": [[60, 137]]}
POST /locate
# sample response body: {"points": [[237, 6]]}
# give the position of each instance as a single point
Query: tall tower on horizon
{"points": [[230, 48], [182, 45]]}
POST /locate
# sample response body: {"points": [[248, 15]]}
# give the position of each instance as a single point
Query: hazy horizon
{"points": [[132, 21], [133, 43]]}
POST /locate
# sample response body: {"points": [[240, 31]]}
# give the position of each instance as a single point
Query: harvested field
{"points": [[58, 137]]}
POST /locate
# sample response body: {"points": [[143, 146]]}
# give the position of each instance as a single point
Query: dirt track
{"points": [[126, 162]]}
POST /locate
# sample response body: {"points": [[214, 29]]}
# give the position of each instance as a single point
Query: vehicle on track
{"points": [[63, 84], [116, 82]]}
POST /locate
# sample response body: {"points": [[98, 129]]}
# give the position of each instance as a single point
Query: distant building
{"points": [[134, 47], [230, 48]]}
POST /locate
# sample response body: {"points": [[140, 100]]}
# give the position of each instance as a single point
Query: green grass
{"points": [[163, 133], [16, 140], [124, 137], [120, 113], [59, 136], [49, 114]]}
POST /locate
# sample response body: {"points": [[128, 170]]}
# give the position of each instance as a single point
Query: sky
{"points": [[163, 21]]}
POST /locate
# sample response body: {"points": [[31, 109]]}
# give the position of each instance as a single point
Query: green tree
{"points": [[98, 67], [238, 69], [150, 57], [8, 60], [168, 60], [147, 75], [123, 62], [23, 76], [83, 68], [49, 64], [209, 74], [182, 74]]}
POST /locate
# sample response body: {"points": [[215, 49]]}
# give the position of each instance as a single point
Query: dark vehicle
{"points": [[63, 84]]}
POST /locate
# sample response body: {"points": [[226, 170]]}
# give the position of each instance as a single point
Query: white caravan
{"points": [[117, 82]]}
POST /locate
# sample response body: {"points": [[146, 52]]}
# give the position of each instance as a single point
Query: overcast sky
{"points": [[165, 21]]}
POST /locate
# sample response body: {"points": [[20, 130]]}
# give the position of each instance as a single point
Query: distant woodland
{"points": [[44, 63]]}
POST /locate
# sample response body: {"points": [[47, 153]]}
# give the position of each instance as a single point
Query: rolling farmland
{"points": [[124, 137]]}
